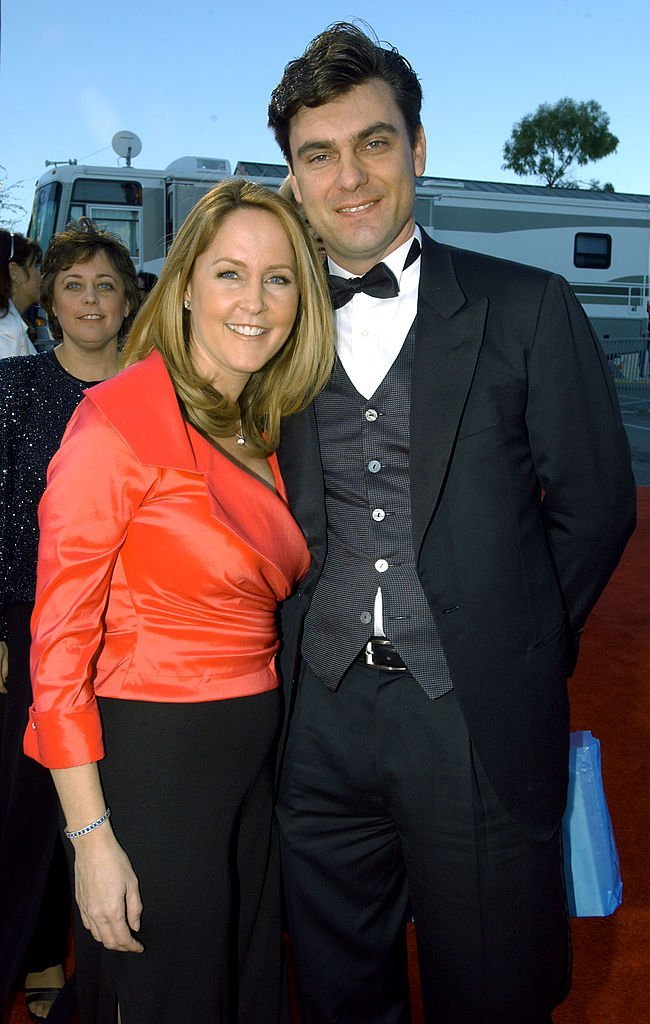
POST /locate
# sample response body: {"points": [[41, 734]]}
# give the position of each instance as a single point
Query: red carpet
{"points": [[611, 696]]}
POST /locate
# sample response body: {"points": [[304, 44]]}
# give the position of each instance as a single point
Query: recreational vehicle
{"points": [[598, 241]]}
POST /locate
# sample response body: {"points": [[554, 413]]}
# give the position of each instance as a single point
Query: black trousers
{"points": [[34, 888], [190, 787], [384, 805]]}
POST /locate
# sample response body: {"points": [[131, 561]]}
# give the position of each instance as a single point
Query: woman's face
{"points": [[90, 303], [26, 284], [243, 296]]}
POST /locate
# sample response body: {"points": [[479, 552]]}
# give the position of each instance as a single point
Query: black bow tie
{"points": [[379, 281]]}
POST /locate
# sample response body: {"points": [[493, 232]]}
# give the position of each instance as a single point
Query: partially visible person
{"points": [[30, 316], [20, 282], [90, 295], [146, 281], [286, 191], [37, 327], [156, 700]]}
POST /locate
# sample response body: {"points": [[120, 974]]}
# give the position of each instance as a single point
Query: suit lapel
{"points": [[300, 466], [448, 338]]}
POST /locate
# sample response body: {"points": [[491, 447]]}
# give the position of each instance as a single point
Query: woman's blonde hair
{"points": [[292, 378]]}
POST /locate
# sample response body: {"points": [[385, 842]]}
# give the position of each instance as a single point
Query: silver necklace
{"points": [[239, 434]]}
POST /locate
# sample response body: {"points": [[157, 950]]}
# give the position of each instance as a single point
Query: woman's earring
{"points": [[186, 303]]}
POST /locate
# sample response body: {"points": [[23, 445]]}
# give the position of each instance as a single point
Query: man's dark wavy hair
{"points": [[335, 61]]}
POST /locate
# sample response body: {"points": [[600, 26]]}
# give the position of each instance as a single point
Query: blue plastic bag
{"points": [[591, 867]]}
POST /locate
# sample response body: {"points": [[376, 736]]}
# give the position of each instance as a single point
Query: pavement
{"points": [[636, 419]]}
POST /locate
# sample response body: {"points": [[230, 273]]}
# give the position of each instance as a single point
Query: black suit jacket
{"points": [[522, 502]]}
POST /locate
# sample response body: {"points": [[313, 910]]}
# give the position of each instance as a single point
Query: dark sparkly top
{"points": [[37, 398]]}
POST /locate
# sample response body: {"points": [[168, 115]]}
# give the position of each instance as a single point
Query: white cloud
{"points": [[100, 116]]}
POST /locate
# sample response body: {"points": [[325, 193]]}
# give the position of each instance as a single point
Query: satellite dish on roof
{"points": [[126, 144]]}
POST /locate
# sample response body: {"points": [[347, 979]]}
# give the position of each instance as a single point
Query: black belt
{"points": [[379, 653]]}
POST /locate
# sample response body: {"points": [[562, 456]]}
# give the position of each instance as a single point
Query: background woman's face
{"points": [[90, 302]]}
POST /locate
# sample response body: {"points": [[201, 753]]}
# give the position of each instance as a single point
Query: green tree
{"points": [[11, 210], [557, 136], [595, 186]]}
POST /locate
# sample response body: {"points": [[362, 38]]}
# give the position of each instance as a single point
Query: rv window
{"points": [[123, 223], [424, 213], [593, 251], [90, 190]]}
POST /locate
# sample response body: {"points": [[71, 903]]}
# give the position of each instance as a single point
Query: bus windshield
{"points": [[42, 223]]}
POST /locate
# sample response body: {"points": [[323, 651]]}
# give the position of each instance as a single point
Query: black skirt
{"points": [[190, 789]]}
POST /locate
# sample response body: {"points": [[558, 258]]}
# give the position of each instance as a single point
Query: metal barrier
{"points": [[629, 361]]}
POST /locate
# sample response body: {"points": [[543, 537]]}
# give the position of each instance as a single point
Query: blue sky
{"points": [[194, 78]]}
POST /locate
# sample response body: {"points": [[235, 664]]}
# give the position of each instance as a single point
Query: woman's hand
{"points": [[4, 666], [106, 886], [107, 891]]}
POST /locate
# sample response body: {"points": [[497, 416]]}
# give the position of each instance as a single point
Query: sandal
{"points": [[39, 995]]}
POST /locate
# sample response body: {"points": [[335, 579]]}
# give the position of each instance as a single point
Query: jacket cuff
{"points": [[64, 739]]}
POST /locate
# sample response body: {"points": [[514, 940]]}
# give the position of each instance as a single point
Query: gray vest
{"points": [[364, 448]]}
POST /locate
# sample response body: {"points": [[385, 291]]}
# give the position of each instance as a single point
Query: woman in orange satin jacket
{"points": [[166, 545]]}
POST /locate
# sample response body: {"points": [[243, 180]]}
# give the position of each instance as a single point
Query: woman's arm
{"points": [[106, 886], [95, 487], [9, 414], [4, 666], [85, 514], [16, 378]]}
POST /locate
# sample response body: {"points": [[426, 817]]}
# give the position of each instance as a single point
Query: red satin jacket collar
{"points": [[142, 406]]}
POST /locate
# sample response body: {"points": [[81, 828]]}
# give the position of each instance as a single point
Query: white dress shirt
{"points": [[370, 332], [14, 339]]}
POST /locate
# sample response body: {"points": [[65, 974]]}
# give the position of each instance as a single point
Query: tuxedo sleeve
{"points": [[580, 451]]}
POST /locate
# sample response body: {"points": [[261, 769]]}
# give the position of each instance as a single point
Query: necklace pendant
{"points": [[239, 434]]}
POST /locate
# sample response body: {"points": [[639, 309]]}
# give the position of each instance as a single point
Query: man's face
{"points": [[353, 172]]}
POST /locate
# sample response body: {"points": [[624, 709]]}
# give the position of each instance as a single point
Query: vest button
{"points": [[365, 617], [381, 565], [378, 514], [371, 415], [374, 466]]}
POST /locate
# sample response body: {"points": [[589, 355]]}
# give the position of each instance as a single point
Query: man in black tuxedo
{"points": [[464, 484]]}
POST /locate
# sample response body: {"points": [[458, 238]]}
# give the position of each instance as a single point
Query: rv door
{"points": [[181, 197]]}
